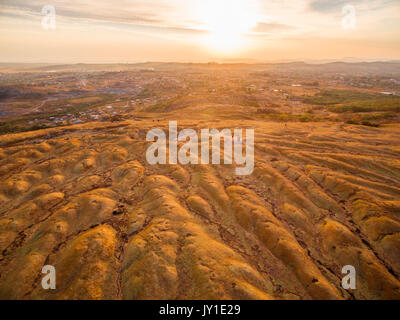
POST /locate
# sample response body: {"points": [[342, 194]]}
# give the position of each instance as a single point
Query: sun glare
{"points": [[227, 22]]}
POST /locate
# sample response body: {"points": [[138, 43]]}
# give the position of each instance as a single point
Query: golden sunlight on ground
{"points": [[228, 21]]}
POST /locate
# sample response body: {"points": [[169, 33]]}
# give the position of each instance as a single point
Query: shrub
{"points": [[370, 124]]}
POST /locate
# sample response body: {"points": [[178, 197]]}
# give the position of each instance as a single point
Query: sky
{"points": [[127, 31]]}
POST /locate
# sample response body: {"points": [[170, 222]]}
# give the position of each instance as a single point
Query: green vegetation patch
{"points": [[374, 105], [364, 123], [332, 97], [350, 101], [9, 127]]}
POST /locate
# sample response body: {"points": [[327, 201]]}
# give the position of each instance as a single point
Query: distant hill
{"points": [[377, 67]]}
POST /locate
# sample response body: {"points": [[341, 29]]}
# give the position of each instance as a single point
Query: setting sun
{"points": [[227, 21]]}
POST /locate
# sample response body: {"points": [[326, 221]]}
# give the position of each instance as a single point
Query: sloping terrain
{"points": [[84, 199]]}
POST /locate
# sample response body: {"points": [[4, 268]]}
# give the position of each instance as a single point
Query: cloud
{"points": [[89, 11], [267, 27], [329, 6], [155, 16]]}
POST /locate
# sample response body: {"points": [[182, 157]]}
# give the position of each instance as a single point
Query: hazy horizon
{"points": [[216, 60]]}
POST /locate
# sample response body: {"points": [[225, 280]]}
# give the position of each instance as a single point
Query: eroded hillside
{"points": [[84, 199]]}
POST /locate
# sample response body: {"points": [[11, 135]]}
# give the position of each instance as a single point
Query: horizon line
{"points": [[217, 61]]}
